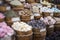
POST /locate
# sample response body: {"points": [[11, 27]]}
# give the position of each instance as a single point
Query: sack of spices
{"points": [[17, 5], [23, 30], [5, 31], [2, 17], [11, 16], [57, 24], [25, 15], [39, 29]]}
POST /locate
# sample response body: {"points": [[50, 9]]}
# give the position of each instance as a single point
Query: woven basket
{"points": [[45, 14], [30, 1], [9, 23], [50, 30], [57, 27], [38, 35], [36, 31], [2, 8], [17, 8], [8, 19], [1, 20], [25, 18], [56, 14], [24, 35]]}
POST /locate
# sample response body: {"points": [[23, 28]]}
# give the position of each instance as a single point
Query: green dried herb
{"points": [[11, 14]]}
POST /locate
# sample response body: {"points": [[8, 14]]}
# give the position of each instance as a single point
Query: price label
{"points": [[8, 8], [22, 0], [51, 26], [15, 19], [36, 14], [32, 17], [42, 30]]}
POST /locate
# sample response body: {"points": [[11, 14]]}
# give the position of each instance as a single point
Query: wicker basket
{"points": [[2, 8], [38, 35], [8, 19], [57, 27], [56, 14], [30, 1], [36, 31], [17, 8], [1, 20], [24, 35], [50, 30], [25, 18], [9, 23], [45, 14]]}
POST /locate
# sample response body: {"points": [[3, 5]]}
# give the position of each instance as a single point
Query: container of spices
{"points": [[11, 16], [23, 30], [25, 15], [39, 29], [16, 5]]}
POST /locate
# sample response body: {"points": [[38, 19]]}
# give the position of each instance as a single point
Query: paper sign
{"points": [[15, 19], [42, 30], [22, 0], [8, 8], [32, 17], [51, 26], [36, 14]]}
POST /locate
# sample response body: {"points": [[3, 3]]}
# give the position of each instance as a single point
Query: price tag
{"points": [[8, 8], [42, 30], [32, 17], [51, 14], [51, 26], [22, 0], [15, 19], [36, 14]]}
